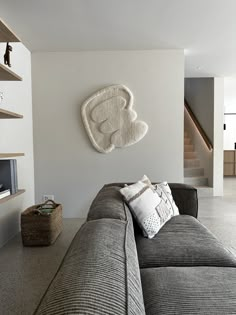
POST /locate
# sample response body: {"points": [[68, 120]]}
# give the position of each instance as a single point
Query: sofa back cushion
{"points": [[189, 290], [185, 196], [108, 204], [99, 275]]}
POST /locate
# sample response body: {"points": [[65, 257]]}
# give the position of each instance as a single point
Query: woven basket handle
{"points": [[48, 202]]}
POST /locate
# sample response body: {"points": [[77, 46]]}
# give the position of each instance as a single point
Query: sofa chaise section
{"points": [[189, 290], [183, 241]]}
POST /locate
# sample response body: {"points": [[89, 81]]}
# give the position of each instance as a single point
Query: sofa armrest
{"points": [[186, 198], [99, 273]]}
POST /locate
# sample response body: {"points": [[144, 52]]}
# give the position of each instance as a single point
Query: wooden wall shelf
{"points": [[6, 34], [10, 155], [7, 75], [5, 114], [20, 191]]}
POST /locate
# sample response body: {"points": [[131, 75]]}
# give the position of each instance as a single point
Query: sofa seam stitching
{"points": [[126, 269]]}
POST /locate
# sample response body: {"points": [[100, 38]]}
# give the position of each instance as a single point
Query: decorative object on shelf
{"points": [[41, 224], [4, 193], [110, 120], [8, 175], [1, 97], [7, 55], [7, 36]]}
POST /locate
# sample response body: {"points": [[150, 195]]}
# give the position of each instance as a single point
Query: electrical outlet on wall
{"points": [[46, 197]]}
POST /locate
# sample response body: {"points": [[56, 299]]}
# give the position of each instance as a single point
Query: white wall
{"points": [[206, 99], [16, 136], [203, 153], [66, 164], [199, 92], [218, 136], [230, 107], [230, 92], [230, 132]]}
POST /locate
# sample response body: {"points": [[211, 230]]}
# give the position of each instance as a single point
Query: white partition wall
{"points": [[230, 107], [66, 164], [218, 136]]}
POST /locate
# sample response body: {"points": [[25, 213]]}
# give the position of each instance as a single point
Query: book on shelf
{"points": [[8, 175], [5, 193]]}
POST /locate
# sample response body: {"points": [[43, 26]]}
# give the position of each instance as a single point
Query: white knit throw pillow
{"points": [[152, 206]]}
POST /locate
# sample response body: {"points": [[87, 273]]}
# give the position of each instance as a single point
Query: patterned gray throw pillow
{"points": [[152, 206], [164, 192], [149, 209]]}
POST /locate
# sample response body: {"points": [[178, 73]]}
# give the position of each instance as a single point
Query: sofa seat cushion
{"points": [[99, 275], [183, 241], [189, 290]]}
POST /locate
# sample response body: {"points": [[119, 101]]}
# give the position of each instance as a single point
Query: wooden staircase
{"points": [[193, 172]]}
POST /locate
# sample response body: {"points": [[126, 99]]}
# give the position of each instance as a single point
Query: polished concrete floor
{"points": [[229, 186], [25, 273], [219, 214]]}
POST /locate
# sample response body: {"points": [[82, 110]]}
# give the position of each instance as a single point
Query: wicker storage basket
{"points": [[39, 228]]}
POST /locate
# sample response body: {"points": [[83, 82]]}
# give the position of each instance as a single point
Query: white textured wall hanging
{"points": [[110, 121]]}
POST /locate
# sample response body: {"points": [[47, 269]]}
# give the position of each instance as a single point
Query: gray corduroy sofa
{"points": [[110, 268]]}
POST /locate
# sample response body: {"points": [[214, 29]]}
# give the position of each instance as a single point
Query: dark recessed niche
{"points": [[224, 126]]}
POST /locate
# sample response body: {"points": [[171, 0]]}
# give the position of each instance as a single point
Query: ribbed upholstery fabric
{"points": [[185, 197], [189, 290], [108, 204], [183, 241], [134, 287], [99, 275]]}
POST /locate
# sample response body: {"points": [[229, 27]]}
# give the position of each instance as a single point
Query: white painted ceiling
{"points": [[206, 29]]}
